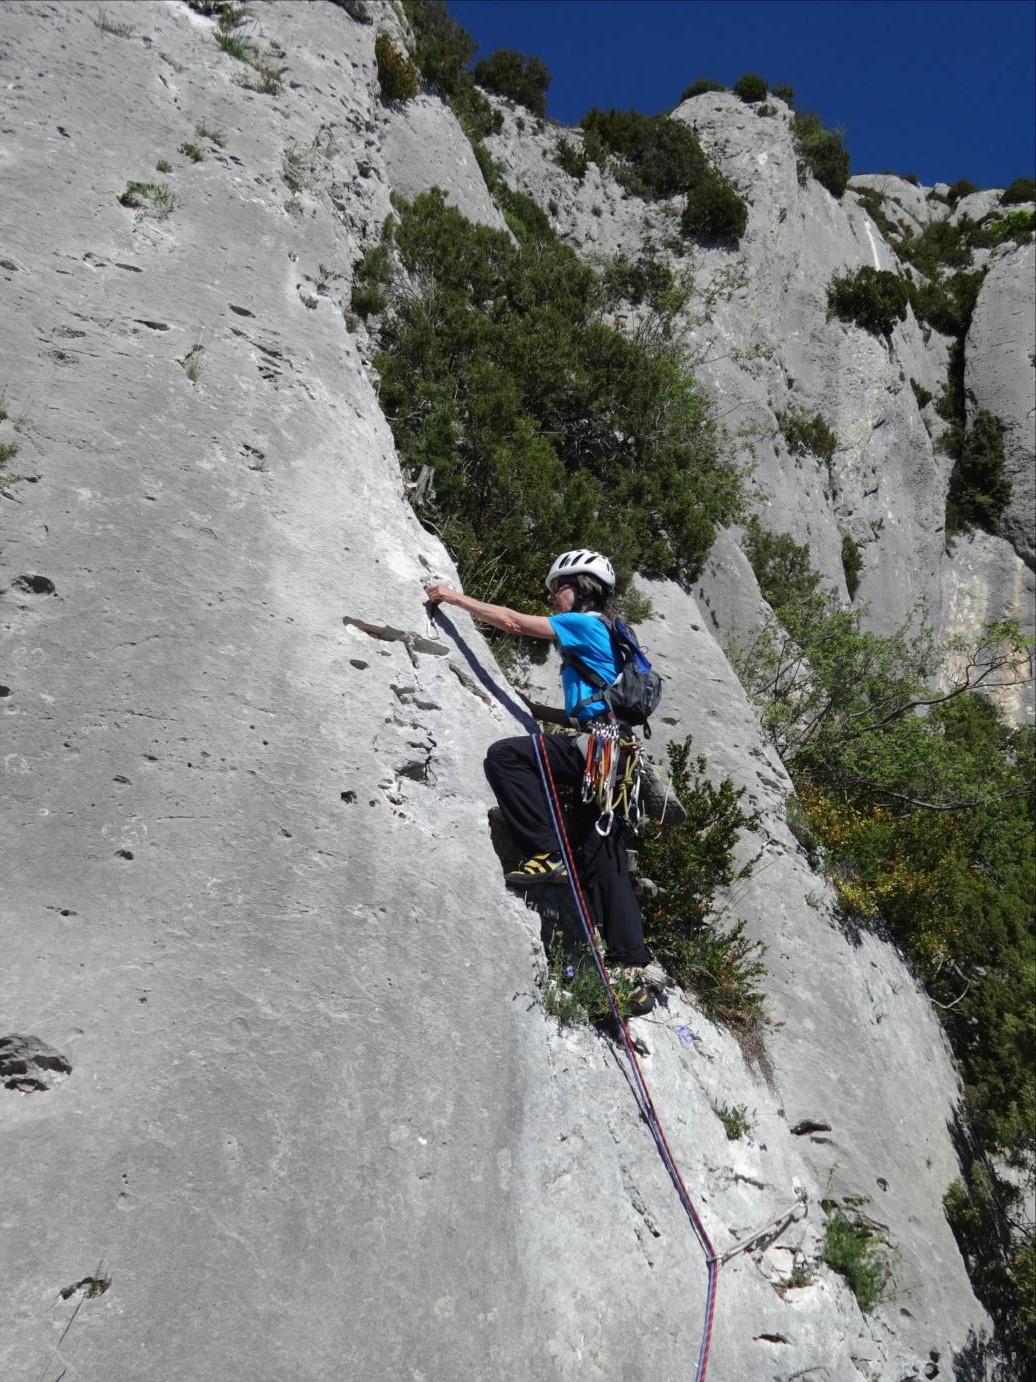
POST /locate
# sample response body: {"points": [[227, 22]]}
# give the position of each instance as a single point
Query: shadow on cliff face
{"points": [[980, 1360]]}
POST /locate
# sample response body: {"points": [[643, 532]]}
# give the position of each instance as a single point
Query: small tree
{"points": [[397, 76], [751, 87], [872, 298], [521, 79], [1021, 190], [714, 212], [701, 87], [821, 154]]}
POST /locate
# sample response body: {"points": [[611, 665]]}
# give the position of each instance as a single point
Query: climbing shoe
{"points": [[539, 868], [639, 993]]}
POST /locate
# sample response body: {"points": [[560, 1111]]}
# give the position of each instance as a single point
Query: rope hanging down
{"points": [[639, 1083]]}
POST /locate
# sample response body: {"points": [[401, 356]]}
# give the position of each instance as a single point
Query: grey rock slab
{"points": [[1000, 377], [423, 147]]}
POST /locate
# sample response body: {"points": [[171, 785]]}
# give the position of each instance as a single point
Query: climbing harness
{"points": [[647, 1107]]}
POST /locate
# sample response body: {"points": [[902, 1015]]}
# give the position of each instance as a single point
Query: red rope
{"points": [[644, 1095]]}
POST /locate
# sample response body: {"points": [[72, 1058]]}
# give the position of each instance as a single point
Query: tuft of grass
{"points": [[163, 166], [853, 1250], [213, 136], [154, 195], [267, 82], [735, 1120], [191, 363], [237, 47], [573, 992], [111, 26], [192, 152], [8, 451]]}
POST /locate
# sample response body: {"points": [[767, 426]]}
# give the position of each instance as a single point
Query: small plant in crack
{"points": [[216, 137], [163, 166], [735, 1120], [191, 363], [326, 276], [111, 26], [153, 196], [192, 152], [267, 83], [8, 451]]}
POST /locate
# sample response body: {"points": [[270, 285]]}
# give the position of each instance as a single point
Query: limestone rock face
{"points": [[313, 1110], [1000, 377]]}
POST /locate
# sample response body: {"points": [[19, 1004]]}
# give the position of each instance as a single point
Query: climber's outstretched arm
{"points": [[499, 616]]}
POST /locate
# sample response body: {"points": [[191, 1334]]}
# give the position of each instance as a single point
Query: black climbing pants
{"points": [[603, 866]]}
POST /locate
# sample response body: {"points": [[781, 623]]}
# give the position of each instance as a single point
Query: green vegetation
{"points": [[653, 155], [1016, 225], [543, 425], [573, 993], [213, 136], [8, 451], [156, 196], [922, 395], [781, 565], [192, 152], [520, 79], [570, 159], [714, 213], [735, 1120], [442, 51], [1021, 190], [371, 280], [979, 489], [852, 564], [821, 153], [700, 88], [807, 436], [750, 88], [922, 802], [163, 166], [961, 188], [872, 298], [111, 26], [783, 93], [690, 863], [853, 1249], [397, 75]]}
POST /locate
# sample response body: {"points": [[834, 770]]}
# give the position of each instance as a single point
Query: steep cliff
{"points": [[309, 1117]]}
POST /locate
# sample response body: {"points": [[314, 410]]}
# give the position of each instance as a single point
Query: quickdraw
{"points": [[612, 775]]}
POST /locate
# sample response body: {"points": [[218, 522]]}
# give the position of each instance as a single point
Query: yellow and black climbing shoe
{"points": [[639, 993], [539, 868]]}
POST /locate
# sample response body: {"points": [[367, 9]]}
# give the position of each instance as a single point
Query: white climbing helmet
{"points": [[581, 563]]}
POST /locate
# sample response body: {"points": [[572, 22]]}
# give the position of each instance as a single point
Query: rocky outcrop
{"points": [[313, 1110]]}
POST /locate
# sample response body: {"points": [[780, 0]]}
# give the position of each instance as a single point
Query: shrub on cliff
{"points": [[872, 298], [979, 489], [714, 213], [750, 88], [542, 425], [442, 50], [782, 566], [821, 154], [397, 76], [519, 78], [1021, 190], [657, 156], [701, 87]]}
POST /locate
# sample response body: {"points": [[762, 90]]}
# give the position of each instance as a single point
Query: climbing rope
{"points": [[639, 1083]]}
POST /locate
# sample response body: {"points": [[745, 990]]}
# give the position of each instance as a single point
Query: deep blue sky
{"points": [[941, 88]]}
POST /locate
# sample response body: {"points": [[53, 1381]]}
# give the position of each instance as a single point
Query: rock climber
{"points": [[580, 586]]}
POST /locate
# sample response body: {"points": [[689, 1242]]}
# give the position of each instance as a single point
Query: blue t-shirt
{"points": [[588, 637]]}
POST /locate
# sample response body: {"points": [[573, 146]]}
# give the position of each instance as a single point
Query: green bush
{"points": [[961, 188], [821, 154], [784, 93], [370, 281], [872, 298], [782, 566], [570, 159], [1016, 225], [979, 489], [544, 426], [853, 1250], [701, 87], [922, 395], [852, 564], [520, 79], [658, 157], [397, 75], [1021, 190], [874, 203], [947, 304], [442, 50], [751, 87], [714, 213], [806, 435], [691, 862], [646, 279]]}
